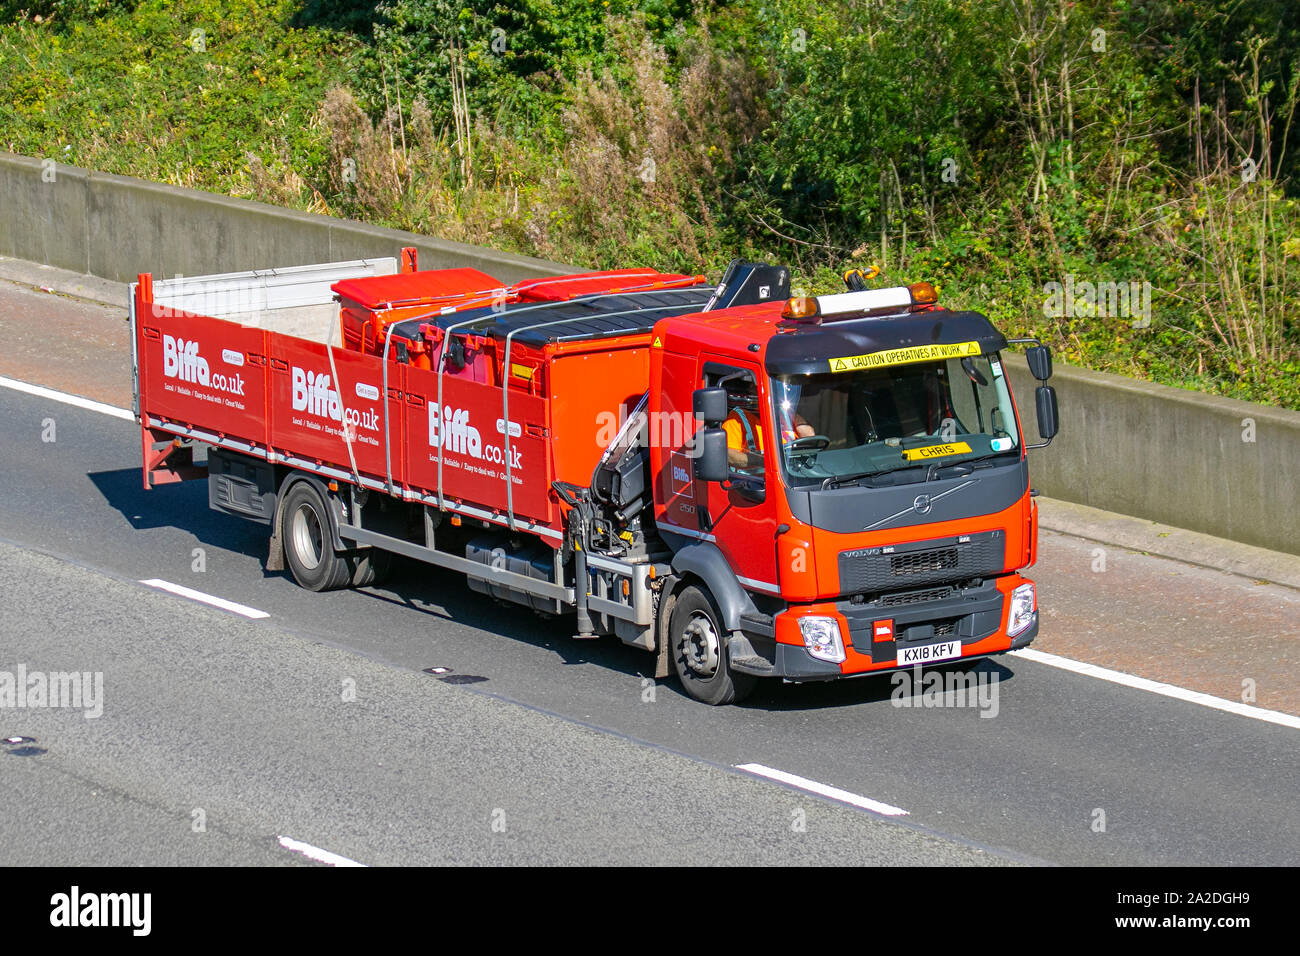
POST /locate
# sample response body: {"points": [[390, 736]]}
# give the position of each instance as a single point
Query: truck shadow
{"points": [[183, 506], [445, 596]]}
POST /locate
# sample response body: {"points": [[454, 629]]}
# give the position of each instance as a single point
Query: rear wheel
{"points": [[372, 567], [308, 542], [698, 647]]}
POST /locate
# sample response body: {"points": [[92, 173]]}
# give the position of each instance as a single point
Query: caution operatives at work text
{"points": [[905, 356]]}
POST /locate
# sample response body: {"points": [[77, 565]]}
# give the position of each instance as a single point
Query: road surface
{"points": [[317, 720]]}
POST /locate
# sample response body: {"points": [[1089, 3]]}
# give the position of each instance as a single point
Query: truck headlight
{"points": [[1022, 612], [821, 636]]}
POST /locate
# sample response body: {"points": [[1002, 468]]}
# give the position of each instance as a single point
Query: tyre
{"points": [[698, 647], [372, 566], [308, 542]]}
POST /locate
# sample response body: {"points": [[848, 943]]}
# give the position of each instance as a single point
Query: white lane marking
{"points": [[812, 786], [194, 595], [1156, 687], [89, 404], [316, 853]]}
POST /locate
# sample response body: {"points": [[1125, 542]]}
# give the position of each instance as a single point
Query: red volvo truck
{"points": [[745, 483]]}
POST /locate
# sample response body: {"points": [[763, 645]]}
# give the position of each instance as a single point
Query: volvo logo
{"points": [[921, 505]]}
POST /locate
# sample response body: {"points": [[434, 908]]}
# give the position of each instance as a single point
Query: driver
{"points": [[745, 432]]}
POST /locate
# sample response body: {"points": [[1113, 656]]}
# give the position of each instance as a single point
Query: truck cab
{"points": [[854, 495]]}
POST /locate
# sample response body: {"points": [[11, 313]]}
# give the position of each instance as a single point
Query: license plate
{"points": [[929, 653]]}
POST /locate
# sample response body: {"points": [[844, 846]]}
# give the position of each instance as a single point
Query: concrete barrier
{"points": [[1165, 454], [116, 227], [1209, 464]]}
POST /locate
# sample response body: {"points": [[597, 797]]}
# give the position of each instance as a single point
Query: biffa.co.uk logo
{"points": [[181, 360], [313, 393], [450, 430]]}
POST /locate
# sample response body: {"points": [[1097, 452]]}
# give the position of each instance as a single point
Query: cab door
{"points": [[740, 514]]}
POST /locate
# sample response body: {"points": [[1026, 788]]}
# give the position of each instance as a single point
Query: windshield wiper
{"points": [[876, 478], [930, 472], [834, 481], [992, 454]]}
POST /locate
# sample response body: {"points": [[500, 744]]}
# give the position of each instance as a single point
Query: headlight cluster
{"points": [[821, 636], [1022, 612]]}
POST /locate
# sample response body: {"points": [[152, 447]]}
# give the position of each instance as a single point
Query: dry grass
{"points": [[638, 175]]}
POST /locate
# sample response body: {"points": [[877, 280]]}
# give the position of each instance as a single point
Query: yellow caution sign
{"points": [[656, 344], [936, 451], [906, 356]]}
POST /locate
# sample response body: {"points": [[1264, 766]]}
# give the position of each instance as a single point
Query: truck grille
{"points": [[923, 562], [943, 628], [916, 597]]}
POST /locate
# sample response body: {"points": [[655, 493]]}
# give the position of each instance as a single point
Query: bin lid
{"points": [[541, 324], [414, 288], [560, 288]]}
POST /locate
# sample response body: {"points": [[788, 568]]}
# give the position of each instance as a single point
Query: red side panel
{"points": [[469, 430], [310, 408], [594, 392], [678, 496], [204, 372]]}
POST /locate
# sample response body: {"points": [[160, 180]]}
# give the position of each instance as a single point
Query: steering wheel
{"points": [[809, 443]]}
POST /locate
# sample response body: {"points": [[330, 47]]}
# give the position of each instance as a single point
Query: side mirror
{"points": [[1045, 399], [1040, 363], [710, 405], [711, 453]]}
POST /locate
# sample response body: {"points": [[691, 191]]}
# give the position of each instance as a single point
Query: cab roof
{"points": [[805, 348]]}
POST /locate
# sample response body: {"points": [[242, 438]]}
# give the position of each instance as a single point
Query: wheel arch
{"points": [[703, 562], [332, 503]]}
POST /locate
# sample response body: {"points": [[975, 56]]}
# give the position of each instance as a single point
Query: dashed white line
{"points": [[1157, 687], [316, 853], [89, 404], [812, 786], [193, 595]]}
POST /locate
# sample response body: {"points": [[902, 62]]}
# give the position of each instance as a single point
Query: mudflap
{"points": [[166, 459], [275, 556], [664, 666]]}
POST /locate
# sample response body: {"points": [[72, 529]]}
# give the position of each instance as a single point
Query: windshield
{"points": [[855, 425]]}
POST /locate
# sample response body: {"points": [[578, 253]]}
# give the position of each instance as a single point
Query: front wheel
{"points": [[698, 646]]}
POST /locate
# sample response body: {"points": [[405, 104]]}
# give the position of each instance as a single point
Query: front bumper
{"points": [[975, 616]]}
